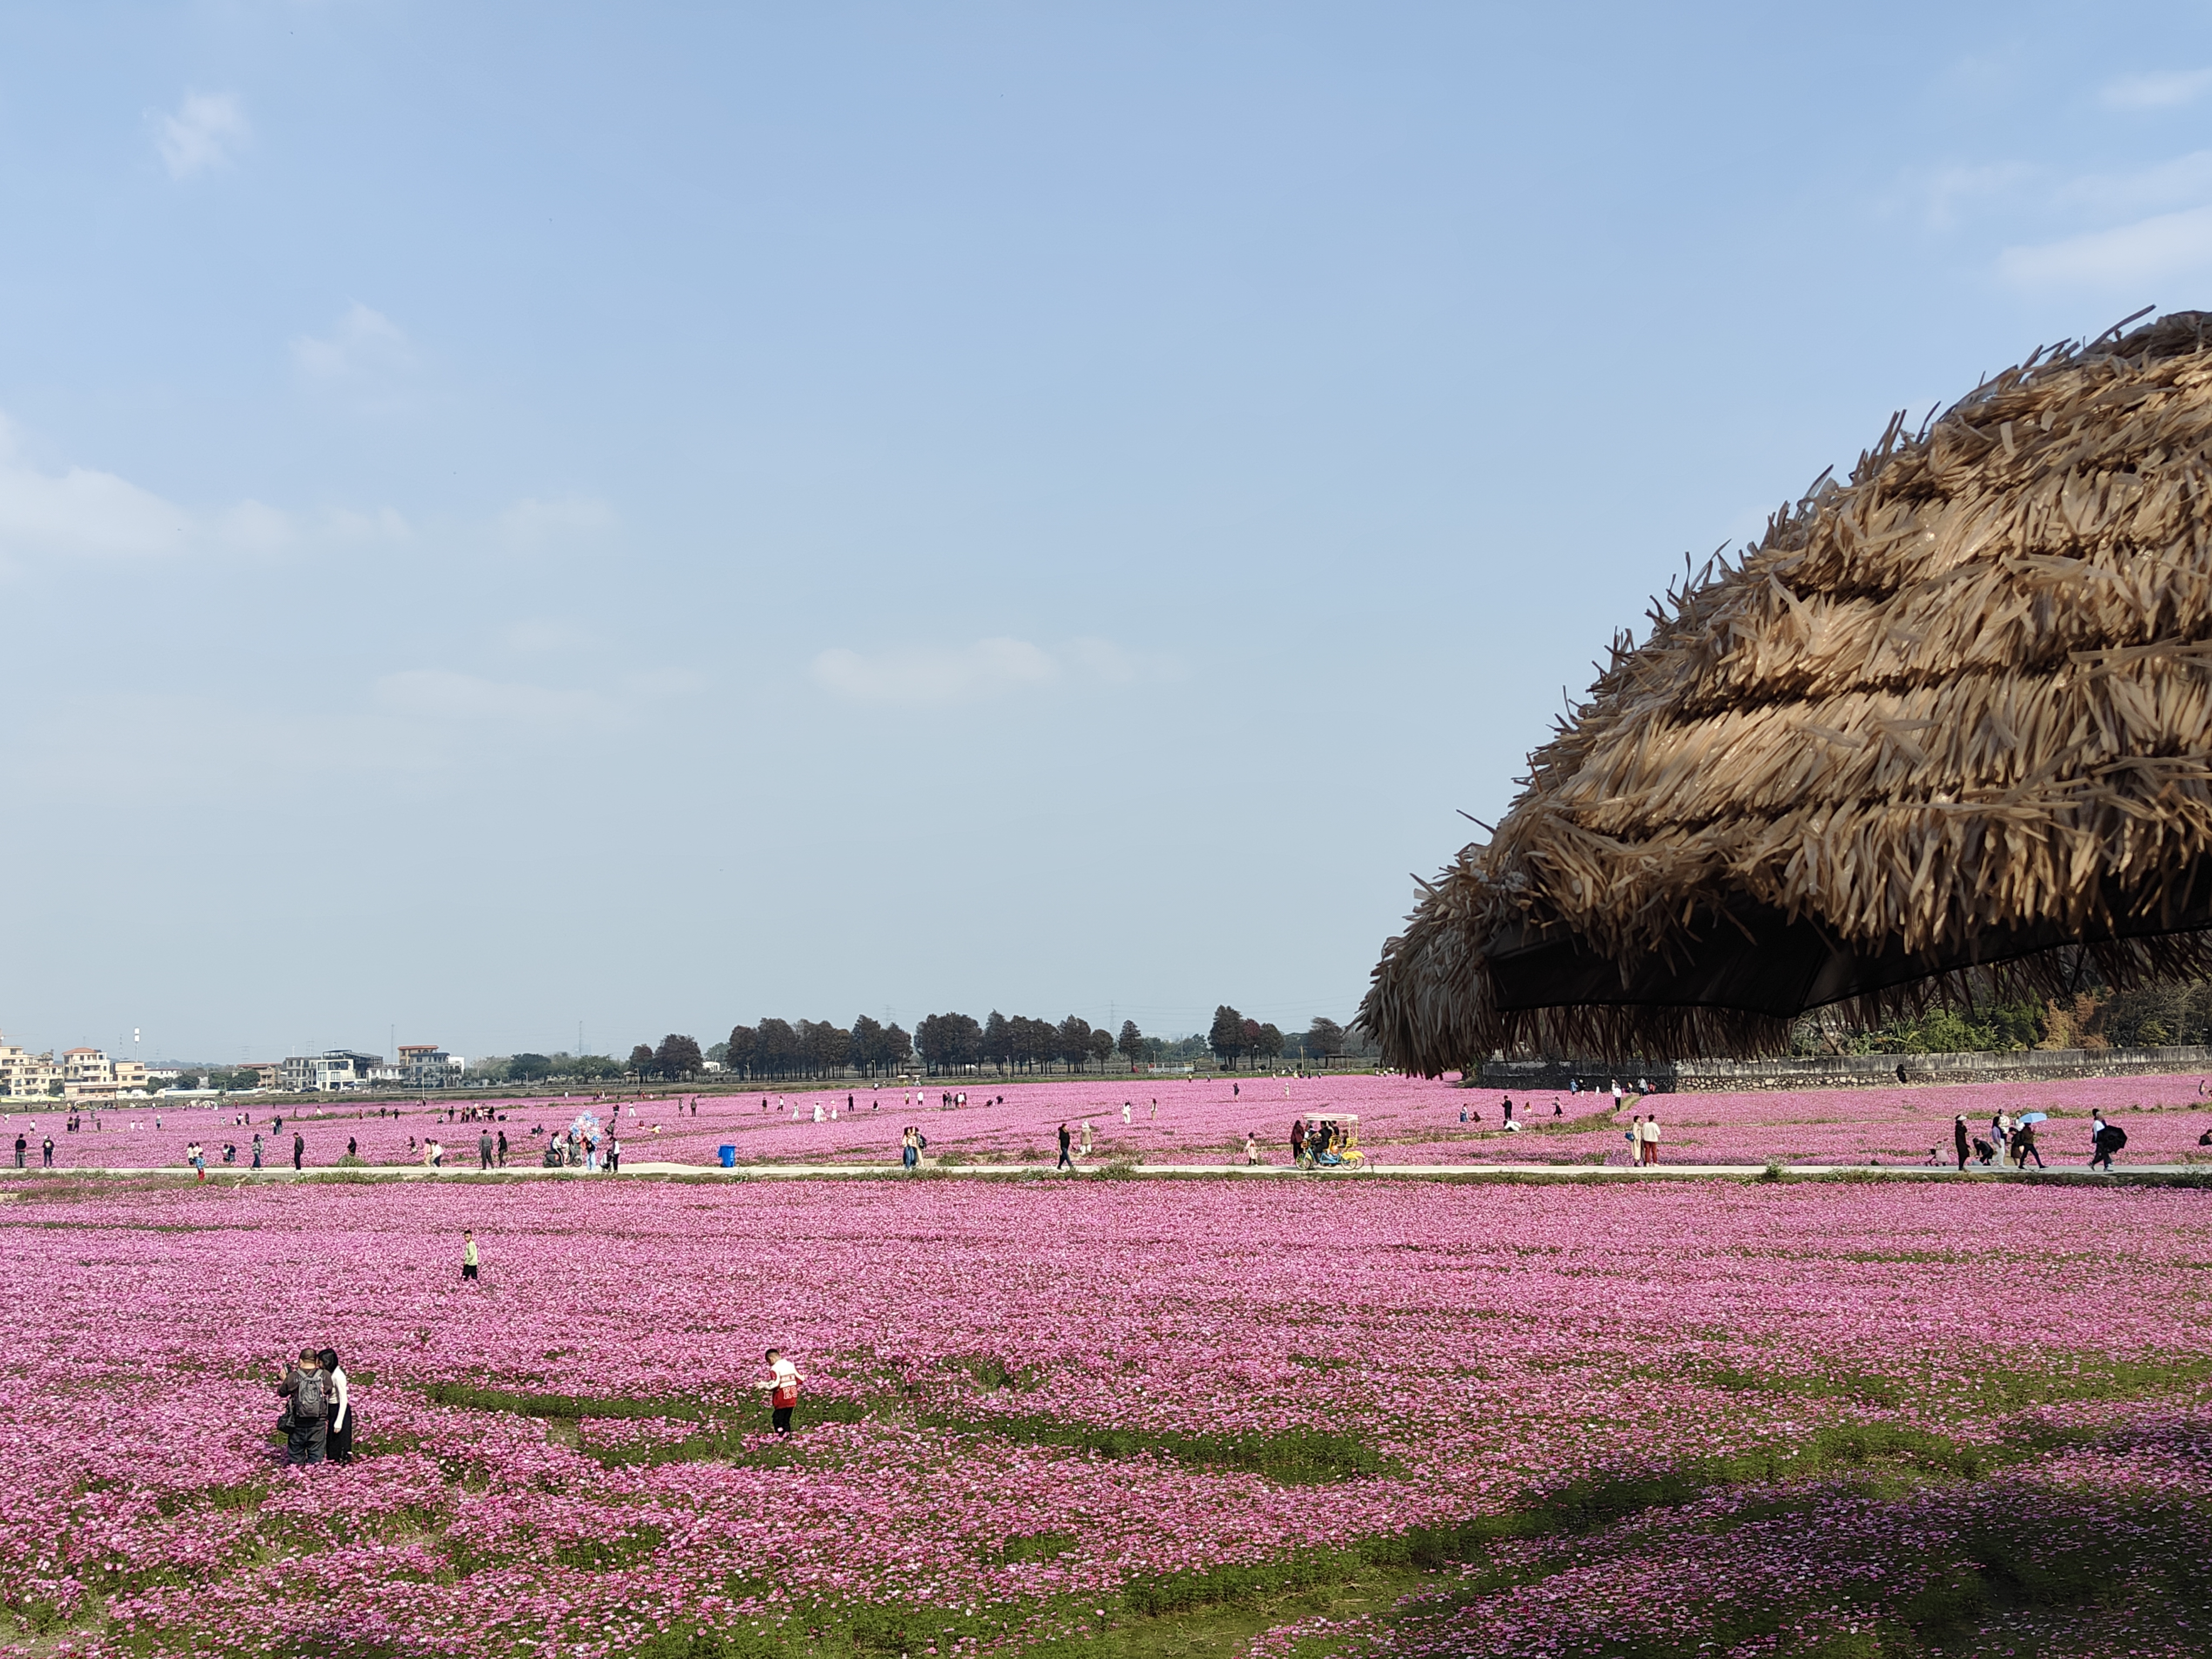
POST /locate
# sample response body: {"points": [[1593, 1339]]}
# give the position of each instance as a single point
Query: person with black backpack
{"points": [[2104, 1140], [306, 1419]]}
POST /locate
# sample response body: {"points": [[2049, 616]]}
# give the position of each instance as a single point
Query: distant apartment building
{"points": [[426, 1065], [82, 1073], [23, 1074], [89, 1074], [334, 1069]]}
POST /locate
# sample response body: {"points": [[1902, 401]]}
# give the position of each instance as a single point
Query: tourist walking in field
{"points": [[299, 1149], [2023, 1145], [256, 1149], [1652, 1137], [2000, 1135], [1298, 1141], [499, 1153], [1065, 1161], [483, 1149], [1633, 1135], [338, 1447], [469, 1258], [306, 1421], [2108, 1138], [909, 1154], [1958, 1140], [614, 1153], [1251, 1147], [50, 1151], [782, 1386]]}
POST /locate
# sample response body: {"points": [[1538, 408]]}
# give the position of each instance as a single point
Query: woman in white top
{"points": [[338, 1431]]}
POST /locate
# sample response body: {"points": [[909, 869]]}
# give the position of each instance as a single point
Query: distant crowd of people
{"points": [[2011, 1143]]}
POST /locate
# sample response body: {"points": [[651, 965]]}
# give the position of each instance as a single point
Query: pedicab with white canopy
{"points": [[1344, 1145]]}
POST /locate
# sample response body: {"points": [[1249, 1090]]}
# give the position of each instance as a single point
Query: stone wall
{"points": [[1843, 1070]]}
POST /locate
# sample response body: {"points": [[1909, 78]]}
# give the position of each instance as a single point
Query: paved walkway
{"points": [[889, 1171]]}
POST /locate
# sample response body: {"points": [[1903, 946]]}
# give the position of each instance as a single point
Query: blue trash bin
{"points": [[729, 1156]]}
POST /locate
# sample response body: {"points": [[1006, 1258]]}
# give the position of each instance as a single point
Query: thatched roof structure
{"points": [[1946, 730]]}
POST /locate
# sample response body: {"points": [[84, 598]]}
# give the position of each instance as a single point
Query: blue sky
{"points": [[516, 517]]}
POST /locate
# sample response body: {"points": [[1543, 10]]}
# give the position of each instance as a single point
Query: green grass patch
{"points": [[474, 1396], [2006, 1386], [1296, 1456], [987, 1371], [1031, 1546], [722, 1434], [625, 1548]]}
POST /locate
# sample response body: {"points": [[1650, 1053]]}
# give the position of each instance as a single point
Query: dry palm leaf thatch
{"points": [[1946, 730]]}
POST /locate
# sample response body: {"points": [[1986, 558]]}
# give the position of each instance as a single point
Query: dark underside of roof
{"points": [[1750, 970]]}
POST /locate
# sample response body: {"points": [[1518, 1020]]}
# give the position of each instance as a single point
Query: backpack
{"points": [[307, 1400]]}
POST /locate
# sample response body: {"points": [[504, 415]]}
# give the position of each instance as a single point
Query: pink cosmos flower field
{"points": [[1402, 1120], [1044, 1416]]}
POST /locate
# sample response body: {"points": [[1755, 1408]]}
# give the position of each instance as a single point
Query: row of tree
{"points": [[777, 1049], [1232, 1038], [224, 1081]]}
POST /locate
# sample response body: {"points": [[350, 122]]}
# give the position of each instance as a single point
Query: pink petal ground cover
{"points": [[1401, 1121], [1478, 1343]]}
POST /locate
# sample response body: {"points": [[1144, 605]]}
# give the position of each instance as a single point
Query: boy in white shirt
{"points": [[782, 1386]]}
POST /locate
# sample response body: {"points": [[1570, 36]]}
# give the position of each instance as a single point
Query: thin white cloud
{"points": [[82, 512], [1101, 659], [78, 512], [542, 636], [930, 675], [207, 130], [441, 694], [1944, 192], [940, 676], [2184, 181], [2125, 258], [529, 524], [365, 343], [385, 525], [2161, 89]]}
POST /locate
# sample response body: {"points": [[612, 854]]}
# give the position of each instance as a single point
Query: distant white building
{"points": [[24, 1074], [332, 1069], [426, 1065], [80, 1074]]}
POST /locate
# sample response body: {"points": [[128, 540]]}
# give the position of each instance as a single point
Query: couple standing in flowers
{"points": [[317, 1418]]}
